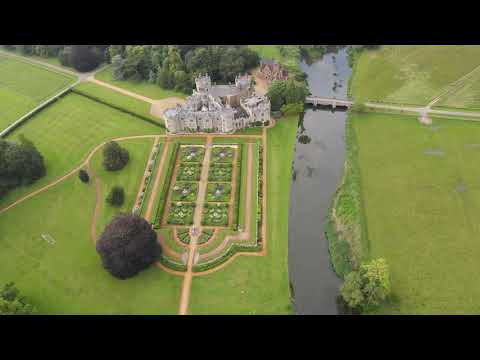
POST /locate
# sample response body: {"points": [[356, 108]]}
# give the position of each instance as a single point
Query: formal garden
{"points": [[220, 172], [102, 149]]}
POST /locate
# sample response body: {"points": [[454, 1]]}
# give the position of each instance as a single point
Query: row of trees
{"points": [[176, 66], [283, 92], [20, 164], [81, 57]]}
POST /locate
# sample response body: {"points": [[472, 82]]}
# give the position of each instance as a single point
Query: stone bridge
{"points": [[317, 100]]}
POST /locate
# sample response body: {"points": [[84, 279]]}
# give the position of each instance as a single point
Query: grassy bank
{"points": [[346, 229], [258, 285], [152, 91]]}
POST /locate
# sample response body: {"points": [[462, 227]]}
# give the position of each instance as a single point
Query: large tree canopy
{"points": [[114, 156], [20, 164], [127, 246], [175, 66]]}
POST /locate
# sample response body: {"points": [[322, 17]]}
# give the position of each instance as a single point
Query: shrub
{"points": [[127, 246], [83, 175], [114, 157], [11, 303], [20, 164], [116, 196], [368, 287]]}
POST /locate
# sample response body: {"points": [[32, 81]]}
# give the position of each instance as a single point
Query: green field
{"points": [[129, 178], [24, 86], [411, 74], [421, 197], [117, 99], [257, 285], [267, 51], [152, 91], [67, 278], [68, 130], [466, 97]]}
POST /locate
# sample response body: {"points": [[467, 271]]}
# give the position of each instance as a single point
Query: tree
{"points": [[20, 164], [116, 196], [64, 56], [127, 246], [367, 287], [11, 303], [83, 58], [83, 175], [114, 156]]}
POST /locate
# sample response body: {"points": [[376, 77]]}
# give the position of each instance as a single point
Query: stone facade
{"points": [[219, 108], [271, 70]]}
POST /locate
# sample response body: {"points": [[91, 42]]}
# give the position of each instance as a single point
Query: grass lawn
{"points": [[411, 74], [422, 196], [144, 88], [24, 86], [467, 97], [129, 178], [68, 130], [68, 278], [267, 51], [257, 285], [117, 99]]}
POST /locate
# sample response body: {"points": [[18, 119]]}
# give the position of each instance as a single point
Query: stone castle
{"points": [[219, 108]]}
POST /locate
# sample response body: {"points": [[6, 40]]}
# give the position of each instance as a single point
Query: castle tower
{"points": [[203, 83], [243, 81]]}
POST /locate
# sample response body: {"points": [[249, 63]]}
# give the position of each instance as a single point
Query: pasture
{"points": [[144, 88], [411, 74], [68, 130], [67, 277], [421, 193], [23, 86]]}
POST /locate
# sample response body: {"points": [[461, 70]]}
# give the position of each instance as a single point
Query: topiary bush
{"points": [[114, 156], [127, 246], [83, 175], [116, 197]]}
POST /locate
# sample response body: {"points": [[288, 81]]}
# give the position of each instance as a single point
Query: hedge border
{"points": [[116, 107], [166, 185], [172, 264]]}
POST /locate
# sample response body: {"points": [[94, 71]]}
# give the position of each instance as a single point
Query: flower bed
{"points": [[205, 236], [220, 172], [192, 154], [190, 172], [185, 191], [184, 236], [137, 209], [181, 213], [215, 214], [218, 192], [222, 155]]}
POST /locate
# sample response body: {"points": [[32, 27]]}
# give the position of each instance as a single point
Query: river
{"points": [[317, 171]]}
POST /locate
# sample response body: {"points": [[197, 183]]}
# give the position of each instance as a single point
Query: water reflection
{"points": [[317, 170]]}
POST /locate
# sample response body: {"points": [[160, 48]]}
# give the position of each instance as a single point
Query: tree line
{"points": [[176, 66], [81, 57]]}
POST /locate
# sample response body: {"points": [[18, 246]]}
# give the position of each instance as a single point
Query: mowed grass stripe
{"points": [[23, 86], [68, 130], [411, 74]]}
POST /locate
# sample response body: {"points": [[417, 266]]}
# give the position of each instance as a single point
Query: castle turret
{"points": [[243, 81], [203, 83]]}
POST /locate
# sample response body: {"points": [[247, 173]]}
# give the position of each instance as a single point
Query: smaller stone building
{"points": [[272, 70]]}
